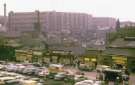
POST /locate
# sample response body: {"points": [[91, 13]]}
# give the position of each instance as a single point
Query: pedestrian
{"points": [[78, 63], [40, 83], [116, 82], [127, 72], [126, 83], [100, 75], [125, 79], [106, 82]]}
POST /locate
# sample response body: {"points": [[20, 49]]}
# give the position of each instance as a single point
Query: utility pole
{"points": [[37, 23]]}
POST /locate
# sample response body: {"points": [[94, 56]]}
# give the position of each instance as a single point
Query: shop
{"points": [[88, 62], [37, 56], [61, 57], [119, 60], [122, 57], [23, 55], [90, 59]]}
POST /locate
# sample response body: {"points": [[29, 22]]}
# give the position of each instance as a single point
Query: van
{"points": [[55, 68], [100, 68]]}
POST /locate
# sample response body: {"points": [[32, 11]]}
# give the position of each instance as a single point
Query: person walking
{"points": [[116, 82]]}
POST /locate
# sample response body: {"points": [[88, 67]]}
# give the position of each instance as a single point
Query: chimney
{"points": [[5, 9], [5, 18]]}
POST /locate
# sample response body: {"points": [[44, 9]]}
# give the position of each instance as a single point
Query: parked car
{"points": [[85, 82], [20, 68], [30, 71], [56, 68], [101, 68], [1, 67], [12, 82], [51, 75], [60, 76], [78, 78], [85, 67], [89, 82], [43, 73]]}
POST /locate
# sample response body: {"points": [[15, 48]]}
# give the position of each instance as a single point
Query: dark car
{"points": [[112, 74], [12, 82]]}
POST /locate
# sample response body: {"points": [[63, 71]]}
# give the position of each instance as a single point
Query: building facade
{"points": [[103, 22], [50, 21], [57, 21], [127, 24]]}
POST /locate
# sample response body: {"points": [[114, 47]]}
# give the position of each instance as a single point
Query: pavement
{"points": [[91, 75], [132, 79]]}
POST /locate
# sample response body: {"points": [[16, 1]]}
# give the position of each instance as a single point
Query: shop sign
{"points": [[37, 53], [119, 58], [93, 59], [61, 52], [86, 59], [120, 62]]}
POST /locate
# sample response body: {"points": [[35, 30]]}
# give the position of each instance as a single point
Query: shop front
{"points": [[61, 57], [88, 62], [23, 56], [37, 56], [119, 61]]}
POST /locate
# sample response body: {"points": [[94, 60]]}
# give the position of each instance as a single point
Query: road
{"points": [[132, 79]]}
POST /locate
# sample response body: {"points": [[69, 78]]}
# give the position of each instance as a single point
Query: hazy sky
{"points": [[123, 9]]}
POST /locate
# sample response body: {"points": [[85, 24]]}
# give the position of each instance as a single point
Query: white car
{"points": [[89, 82], [100, 68], [85, 82], [1, 67]]}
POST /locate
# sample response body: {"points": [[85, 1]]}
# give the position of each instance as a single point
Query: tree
{"points": [[7, 53], [117, 24]]}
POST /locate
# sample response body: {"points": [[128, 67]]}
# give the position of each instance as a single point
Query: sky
{"points": [[122, 9]]}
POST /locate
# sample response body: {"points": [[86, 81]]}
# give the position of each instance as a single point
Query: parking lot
{"points": [[20, 73]]}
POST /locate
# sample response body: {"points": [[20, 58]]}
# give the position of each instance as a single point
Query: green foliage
{"points": [[126, 32], [111, 36], [121, 33], [7, 53], [117, 24]]}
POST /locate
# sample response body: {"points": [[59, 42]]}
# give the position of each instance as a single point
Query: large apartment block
{"points": [[102, 22], [50, 21]]}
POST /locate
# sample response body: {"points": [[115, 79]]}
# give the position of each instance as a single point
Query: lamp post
{"points": [[99, 57]]}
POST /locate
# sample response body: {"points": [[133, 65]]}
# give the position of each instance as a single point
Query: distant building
{"points": [[3, 23], [127, 24], [2, 20], [103, 22], [58, 26], [50, 21]]}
